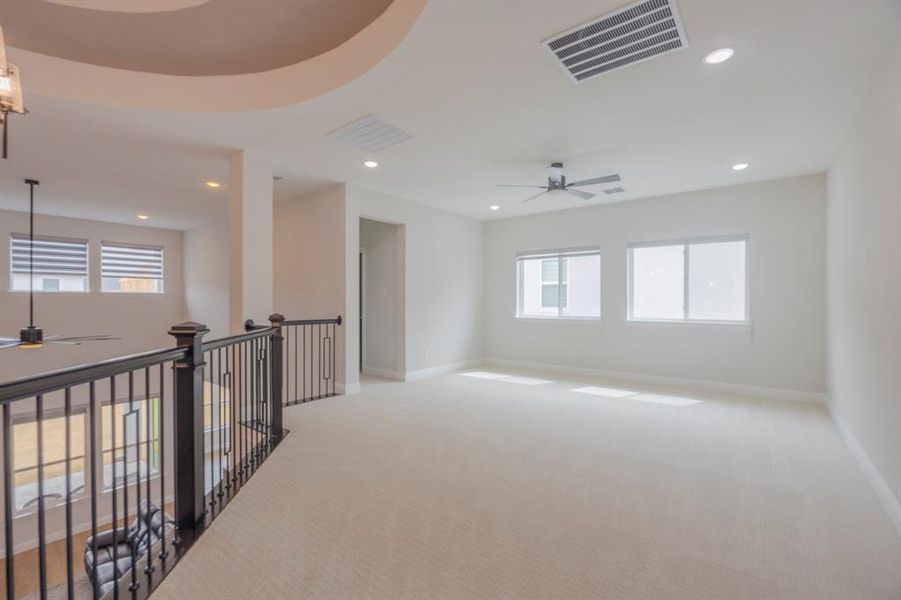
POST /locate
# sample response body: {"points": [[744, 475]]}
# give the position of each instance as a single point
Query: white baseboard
{"points": [[889, 501], [383, 373], [718, 387], [441, 369], [348, 389]]}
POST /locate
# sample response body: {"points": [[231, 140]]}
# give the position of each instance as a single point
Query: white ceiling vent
{"points": [[369, 134], [635, 33]]}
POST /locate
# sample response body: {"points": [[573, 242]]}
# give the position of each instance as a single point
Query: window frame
{"points": [[162, 278], [557, 254], [50, 238], [686, 244], [55, 413]]}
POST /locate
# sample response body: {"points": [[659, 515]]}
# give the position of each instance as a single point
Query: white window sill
{"points": [[56, 293], [686, 323], [596, 320]]}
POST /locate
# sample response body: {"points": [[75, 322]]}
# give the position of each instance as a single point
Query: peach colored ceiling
{"points": [[219, 37], [63, 78]]}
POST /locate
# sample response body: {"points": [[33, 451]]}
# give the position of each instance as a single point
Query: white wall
{"points": [[206, 277], [864, 291], [442, 271], [142, 321], [309, 260], [380, 244], [784, 348]]}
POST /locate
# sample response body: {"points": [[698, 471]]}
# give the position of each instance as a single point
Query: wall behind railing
{"points": [[141, 320]]}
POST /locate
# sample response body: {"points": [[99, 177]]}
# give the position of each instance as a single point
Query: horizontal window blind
{"points": [[131, 262], [51, 256]]}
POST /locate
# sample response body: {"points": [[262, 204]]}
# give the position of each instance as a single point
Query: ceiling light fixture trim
{"points": [[719, 56]]}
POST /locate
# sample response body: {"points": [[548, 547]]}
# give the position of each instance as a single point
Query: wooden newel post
{"points": [[276, 377], [190, 503]]}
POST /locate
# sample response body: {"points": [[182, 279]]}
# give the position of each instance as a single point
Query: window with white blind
{"points": [[131, 269], [559, 284], [697, 280], [60, 265]]}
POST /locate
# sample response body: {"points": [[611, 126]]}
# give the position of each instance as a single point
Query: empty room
{"points": [[450, 299]]}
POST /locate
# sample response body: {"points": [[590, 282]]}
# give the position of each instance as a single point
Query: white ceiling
{"points": [[486, 105]]}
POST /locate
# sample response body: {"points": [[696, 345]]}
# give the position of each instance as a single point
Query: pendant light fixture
{"points": [[33, 336], [10, 93]]}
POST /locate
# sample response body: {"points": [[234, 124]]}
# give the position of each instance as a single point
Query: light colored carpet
{"points": [[460, 487]]}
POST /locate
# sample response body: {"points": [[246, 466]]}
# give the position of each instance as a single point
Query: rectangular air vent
{"points": [[369, 134], [635, 33], [616, 190]]}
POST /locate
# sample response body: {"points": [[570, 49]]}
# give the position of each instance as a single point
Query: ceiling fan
{"points": [[31, 336], [556, 183]]}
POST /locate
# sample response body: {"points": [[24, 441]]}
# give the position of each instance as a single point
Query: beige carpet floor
{"points": [[460, 487]]}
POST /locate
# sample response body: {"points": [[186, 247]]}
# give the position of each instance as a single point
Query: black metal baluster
{"points": [[70, 577], [131, 407], [93, 444], [303, 328], [254, 398], [319, 372], [245, 375], [112, 407], [267, 396], [148, 417], [8, 501], [220, 493], [162, 442], [232, 469], [42, 514], [208, 361], [334, 344]]}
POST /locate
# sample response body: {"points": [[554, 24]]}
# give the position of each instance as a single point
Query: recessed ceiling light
{"points": [[213, 185], [143, 217], [740, 166], [720, 55], [370, 164], [494, 207]]}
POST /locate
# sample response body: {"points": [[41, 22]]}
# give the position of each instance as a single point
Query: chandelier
{"points": [[10, 92]]}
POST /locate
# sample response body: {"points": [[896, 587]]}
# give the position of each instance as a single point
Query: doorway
{"points": [[381, 299]]}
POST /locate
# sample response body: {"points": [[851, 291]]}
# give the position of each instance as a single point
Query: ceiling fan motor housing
{"points": [[556, 180], [31, 335]]}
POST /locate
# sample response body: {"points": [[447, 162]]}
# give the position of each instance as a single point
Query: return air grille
{"points": [[632, 34], [616, 190], [369, 134]]}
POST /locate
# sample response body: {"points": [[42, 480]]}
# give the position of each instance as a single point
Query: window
{"points": [[60, 265], [25, 460], [559, 284], [124, 441], [694, 280], [131, 269]]}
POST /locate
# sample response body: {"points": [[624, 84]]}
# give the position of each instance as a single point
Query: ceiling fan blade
{"points": [[606, 179], [580, 194], [62, 342], [9, 344], [81, 338], [541, 187], [535, 196]]}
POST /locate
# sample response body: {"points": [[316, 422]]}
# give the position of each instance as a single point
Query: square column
{"points": [[250, 239]]}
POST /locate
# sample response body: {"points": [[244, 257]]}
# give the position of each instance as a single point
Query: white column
{"points": [[250, 238]]}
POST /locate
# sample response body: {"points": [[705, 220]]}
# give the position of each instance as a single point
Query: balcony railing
{"points": [[120, 465]]}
